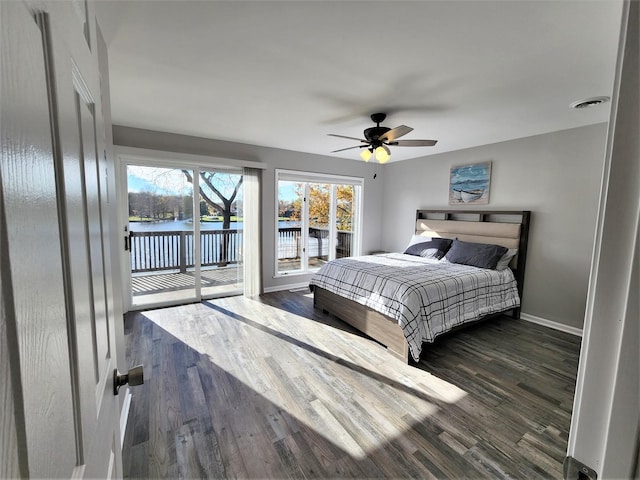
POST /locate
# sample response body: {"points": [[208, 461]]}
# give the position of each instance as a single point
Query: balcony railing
{"points": [[173, 250], [290, 243]]}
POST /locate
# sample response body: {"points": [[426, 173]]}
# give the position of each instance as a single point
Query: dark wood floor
{"points": [[271, 388]]}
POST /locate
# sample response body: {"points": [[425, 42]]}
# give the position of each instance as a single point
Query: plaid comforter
{"points": [[425, 296]]}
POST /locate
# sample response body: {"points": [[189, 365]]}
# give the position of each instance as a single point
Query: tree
{"points": [[219, 190], [187, 206], [345, 207], [320, 203], [224, 186], [204, 208], [148, 205], [285, 209]]}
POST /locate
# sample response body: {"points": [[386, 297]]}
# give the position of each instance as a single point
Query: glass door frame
{"points": [[240, 260], [151, 158], [318, 178]]}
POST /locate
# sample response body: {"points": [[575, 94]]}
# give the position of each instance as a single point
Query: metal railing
{"points": [[173, 250]]}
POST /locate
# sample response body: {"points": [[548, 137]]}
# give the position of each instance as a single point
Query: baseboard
{"points": [[291, 286], [124, 415], [523, 316], [551, 324]]}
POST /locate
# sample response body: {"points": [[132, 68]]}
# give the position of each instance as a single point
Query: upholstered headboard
{"points": [[507, 228]]}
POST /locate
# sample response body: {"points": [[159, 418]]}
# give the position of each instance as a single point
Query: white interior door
{"points": [[94, 340], [33, 288], [56, 268], [79, 124]]}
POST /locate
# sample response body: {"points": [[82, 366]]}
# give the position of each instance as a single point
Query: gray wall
{"points": [[274, 158], [557, 176]]}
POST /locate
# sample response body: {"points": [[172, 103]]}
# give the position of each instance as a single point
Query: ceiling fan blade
{"points": [[350, 138], [349, 148], [414, 143], [394, 133]]}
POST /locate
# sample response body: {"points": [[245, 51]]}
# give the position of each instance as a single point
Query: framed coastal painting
{"points": [[469, 184]]}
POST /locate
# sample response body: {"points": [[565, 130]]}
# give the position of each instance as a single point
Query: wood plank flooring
{"points": [[271, 388]]}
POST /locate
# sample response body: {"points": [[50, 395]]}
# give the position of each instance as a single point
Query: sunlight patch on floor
{"points": [[360, 383]]}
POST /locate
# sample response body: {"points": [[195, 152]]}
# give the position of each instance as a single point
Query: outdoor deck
{"points": [[162, 262], [157, 287], [162, 282]]}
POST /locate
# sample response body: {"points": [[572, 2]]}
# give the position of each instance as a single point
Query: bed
{"points": [[403, 300]]}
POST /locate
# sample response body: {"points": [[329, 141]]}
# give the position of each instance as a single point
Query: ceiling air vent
{"points": [[589, 102]]}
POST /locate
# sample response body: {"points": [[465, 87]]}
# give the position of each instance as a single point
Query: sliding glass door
{"points": [[160, 235], [184, 234], [221, 232]]}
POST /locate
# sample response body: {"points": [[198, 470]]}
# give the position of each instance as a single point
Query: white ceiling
{"points": [[285, 73]]}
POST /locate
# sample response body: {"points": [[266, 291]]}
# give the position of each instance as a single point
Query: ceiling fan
{"points": [[378, 139]]}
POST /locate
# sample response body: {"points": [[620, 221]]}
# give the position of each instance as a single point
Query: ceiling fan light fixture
{"points": [[383, 154], [377, 138], [366, 154]]}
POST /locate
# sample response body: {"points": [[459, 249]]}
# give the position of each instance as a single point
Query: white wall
{"points": [[557, 176], [606, 412], [274, 158]]}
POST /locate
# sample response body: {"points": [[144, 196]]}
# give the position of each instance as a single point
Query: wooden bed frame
{"points": [[507, 228]]}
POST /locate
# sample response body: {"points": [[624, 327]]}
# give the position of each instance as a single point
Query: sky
{"points": [[163, 181], [167, 181], [287, 191]]}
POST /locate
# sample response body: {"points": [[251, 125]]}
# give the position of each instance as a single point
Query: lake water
{"points": [[187, 225], [288, 247]]}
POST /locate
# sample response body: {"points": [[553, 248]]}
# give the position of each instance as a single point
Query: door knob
{"points": [[133, 377]]}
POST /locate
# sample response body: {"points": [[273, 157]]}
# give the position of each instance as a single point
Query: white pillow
{"points": [[417, 239], [506, 259]]}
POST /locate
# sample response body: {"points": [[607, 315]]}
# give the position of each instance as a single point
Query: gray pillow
{"points": [[482, 255], [505, 260], [434, 248]]}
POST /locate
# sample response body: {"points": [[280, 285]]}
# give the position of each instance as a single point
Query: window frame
{"points": [[333, 181]]}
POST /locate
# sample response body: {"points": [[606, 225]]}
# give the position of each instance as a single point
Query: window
{"points": [[318, 219]]}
